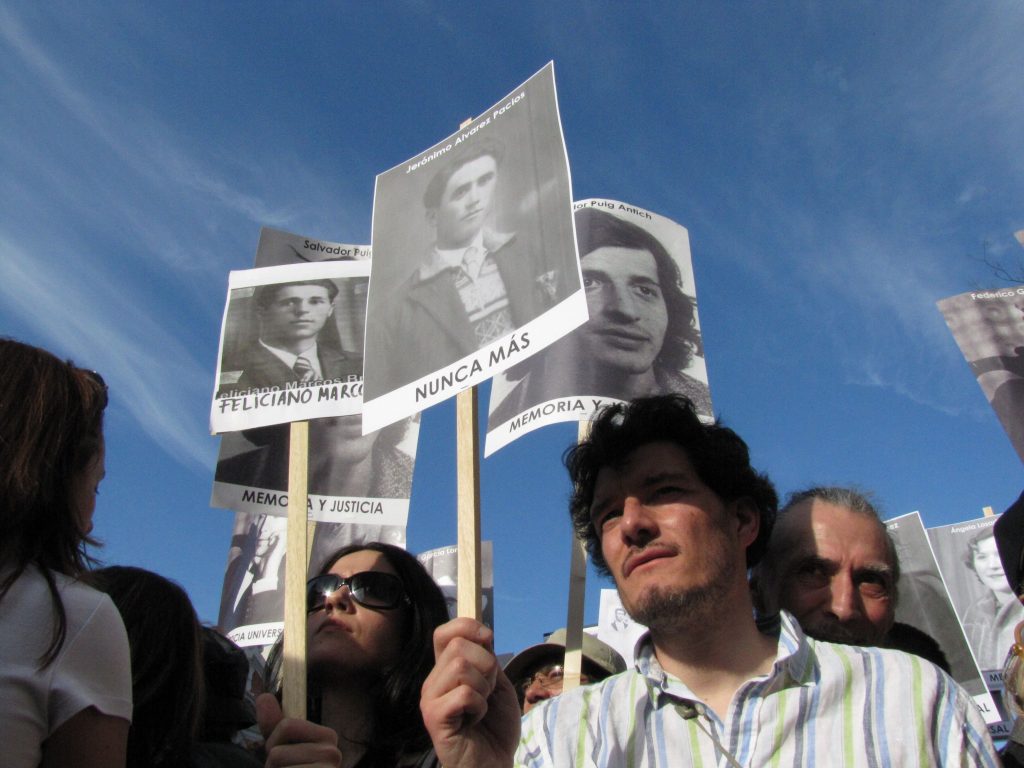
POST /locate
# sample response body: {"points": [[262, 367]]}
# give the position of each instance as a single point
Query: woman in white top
{"points": [[65, 677]]}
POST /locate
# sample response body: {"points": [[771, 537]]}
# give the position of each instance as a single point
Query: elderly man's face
{"points": [[834, 574], [465, 202], [628, 315]]}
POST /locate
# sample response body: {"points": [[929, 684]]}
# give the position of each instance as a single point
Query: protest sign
{"points": [[924, 603], [616, 628], [252, 597], [353, 478], [643, 336], [474, 264], [985, 604], [989, 329], [281, 359], [277, 247], [443, 565]]}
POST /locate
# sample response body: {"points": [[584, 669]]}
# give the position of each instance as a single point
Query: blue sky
{"points": [[837, 165]]}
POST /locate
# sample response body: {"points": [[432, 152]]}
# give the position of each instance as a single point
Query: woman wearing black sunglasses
{"points": [[65, 680], [372, 611]]}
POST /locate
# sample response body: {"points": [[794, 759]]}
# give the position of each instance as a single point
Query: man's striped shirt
{"points": [[822, 704]]}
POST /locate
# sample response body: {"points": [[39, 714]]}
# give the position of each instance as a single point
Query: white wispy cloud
{"points": [[151, 150], [154, 375]]}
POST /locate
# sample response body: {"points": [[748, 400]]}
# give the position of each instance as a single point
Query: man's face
{"points": [[296, 313], [988, 566], [264, 543], [544, 681], [675, 549], [628, 316], [465, 202], [835, 576]]}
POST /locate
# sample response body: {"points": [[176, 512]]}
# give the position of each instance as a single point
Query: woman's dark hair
{"points": [[397, 724], [165, 638], [719, 457], [51, 427]]}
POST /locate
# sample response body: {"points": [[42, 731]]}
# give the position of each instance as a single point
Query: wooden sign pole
{"points": [[296, 556], [572, 667], [467, 463], [468, 468]]}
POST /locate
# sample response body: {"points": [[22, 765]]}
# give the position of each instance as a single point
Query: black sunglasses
{"points": [[371, 589]]}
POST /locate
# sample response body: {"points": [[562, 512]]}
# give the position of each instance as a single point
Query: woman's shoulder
{"points": [[81, 601], [28, 604]]}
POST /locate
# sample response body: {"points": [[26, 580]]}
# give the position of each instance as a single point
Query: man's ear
{"points": [[431, 215], [748, 520]]}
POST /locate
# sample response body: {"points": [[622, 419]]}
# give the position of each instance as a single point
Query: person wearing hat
{"points": [[472, 286], [536, 672]]}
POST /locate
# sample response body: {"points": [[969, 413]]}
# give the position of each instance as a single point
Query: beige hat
{"points": [[599, 654]]}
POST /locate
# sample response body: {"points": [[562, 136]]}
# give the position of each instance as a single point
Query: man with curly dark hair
{"points": [[674, 511]]}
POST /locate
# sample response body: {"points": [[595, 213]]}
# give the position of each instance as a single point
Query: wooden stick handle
{"points": [[468, 468], [296, 558], [573, 664]]}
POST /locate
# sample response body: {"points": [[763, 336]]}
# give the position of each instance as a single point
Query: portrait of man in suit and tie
{"points": [[289, 348]]}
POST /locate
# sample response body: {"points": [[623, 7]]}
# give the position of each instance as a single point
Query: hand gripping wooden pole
{"points": [[296, 557], [572, 667]]}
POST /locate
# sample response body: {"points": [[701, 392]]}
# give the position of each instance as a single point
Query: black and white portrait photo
{"points": [[474, 262], [925, 604], [443, 565], [615, 627], [291, 344], [989, 329], [352, 477], [291, 318], [984, 601], [643, 336], [253, 591]]}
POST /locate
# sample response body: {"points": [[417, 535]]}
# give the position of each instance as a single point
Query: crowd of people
{"points": [[771, 632]]}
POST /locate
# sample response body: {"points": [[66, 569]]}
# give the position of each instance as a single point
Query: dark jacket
{"points": [[262, 368], [424, 327]]}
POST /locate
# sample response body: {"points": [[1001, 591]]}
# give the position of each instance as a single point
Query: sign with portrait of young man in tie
{"points": [[282, 354]]}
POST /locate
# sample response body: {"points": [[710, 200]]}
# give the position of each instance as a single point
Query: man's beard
{"points": [[660, 609]]}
